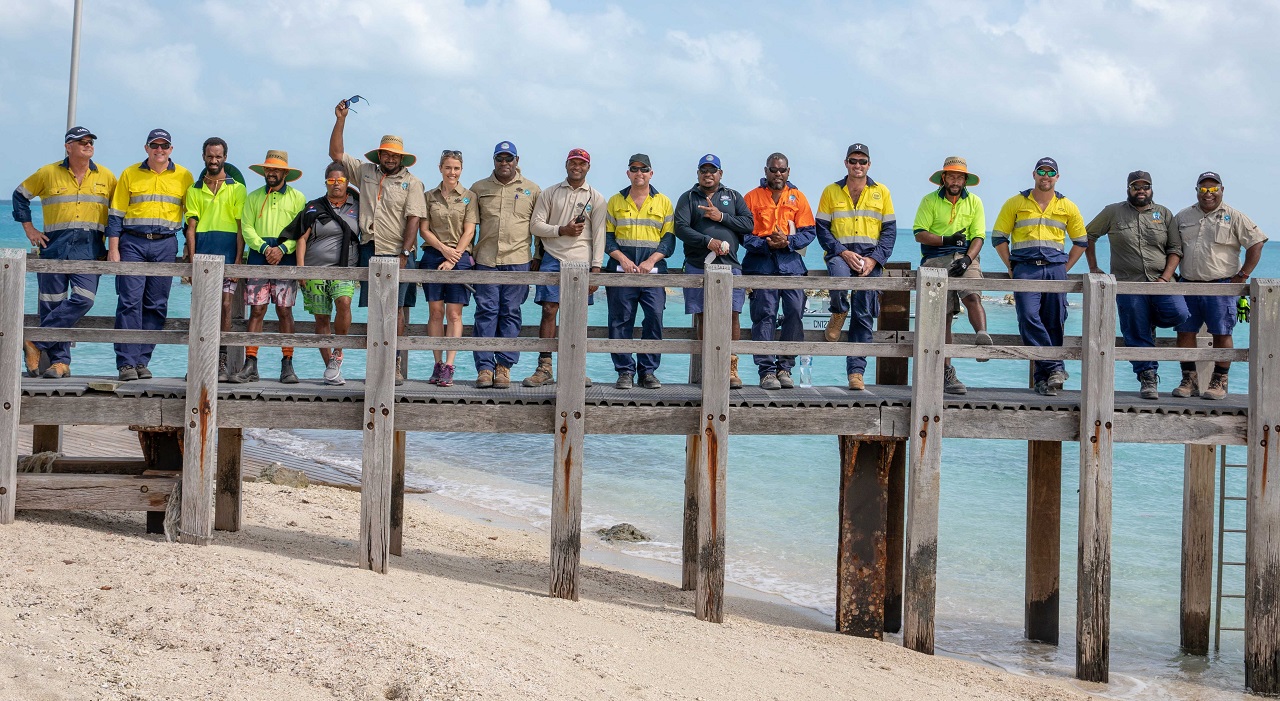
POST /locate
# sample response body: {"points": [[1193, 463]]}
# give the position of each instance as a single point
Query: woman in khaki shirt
{"points": [[447, 231]]}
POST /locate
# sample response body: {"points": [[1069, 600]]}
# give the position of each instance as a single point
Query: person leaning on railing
{"points": [[447, 230], [75, 195], [1213, 233], [146, 215]]}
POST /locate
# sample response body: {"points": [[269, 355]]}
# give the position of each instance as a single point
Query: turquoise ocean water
{"points": [[782, 494]]}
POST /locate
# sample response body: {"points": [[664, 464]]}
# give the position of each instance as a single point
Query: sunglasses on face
{"points": [[856, 162], [83, 142], [504, 158], [777, 171], [1210, 190], [1046, 172], [334, 181], [159, 145], [1140, 188], [639, 169], [708, 170]]}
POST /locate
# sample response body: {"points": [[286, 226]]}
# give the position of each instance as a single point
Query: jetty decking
{"points": [[890, 435]]}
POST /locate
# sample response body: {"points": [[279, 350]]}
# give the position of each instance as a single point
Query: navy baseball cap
{"points": [[78, 133], [506, 147], [1209, 175], [857, 148], [1045, 162], [710, 159], [159, 135]]}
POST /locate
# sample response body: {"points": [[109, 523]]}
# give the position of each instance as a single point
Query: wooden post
{"points": [[1197, 546], [200, 456], [920, 592], [570, 423], [1044, 541], [692, 446], [1097, 408], [227, 500], [162, 449], [861, 554], [379, 415], [1262, 542], [46, 439], [397, 488], [895, 315], [713, 458], [13, 271]]}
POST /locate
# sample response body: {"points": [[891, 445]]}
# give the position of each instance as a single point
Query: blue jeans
{"points": [[64, 299], [622, 324], [1042, 316], [764, 320], [862, 313], [143, 301], [498, 316], [1140, 315]]}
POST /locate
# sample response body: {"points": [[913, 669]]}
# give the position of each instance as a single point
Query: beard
{"points": [[954, 190], [1140, 199], [214, 169], [273, 181]]}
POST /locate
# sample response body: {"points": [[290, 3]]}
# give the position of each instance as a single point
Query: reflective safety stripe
{"points": [[640, 222], [165, 223], [86, 293], [638, 243], [22, 190], [115, 212], [85, 199], [858, 239], [1040, 221], [1037, 243], [77, 225], [167, 199], [55, 297], [869, 213]]}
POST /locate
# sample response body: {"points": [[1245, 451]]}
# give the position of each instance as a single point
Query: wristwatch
{"points": [[406, 252]]}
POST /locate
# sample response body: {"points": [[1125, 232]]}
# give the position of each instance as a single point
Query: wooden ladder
{"points": [[1223, 498]]}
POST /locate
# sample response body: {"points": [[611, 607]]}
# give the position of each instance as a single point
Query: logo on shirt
{"points": [[1226, 218], [404, 186], [724, 200], [875, 195], [586, 210], [466, 200], [792, 198], [1155, 215], [527, 193]]}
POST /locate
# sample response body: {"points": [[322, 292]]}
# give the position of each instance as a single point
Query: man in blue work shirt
{"points": [[74, 195]]}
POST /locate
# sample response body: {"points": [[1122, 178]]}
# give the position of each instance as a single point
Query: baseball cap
{"points": [[158, 135], [1046, 162], [857, 148], [641, 158], [1209, 175], [711, 159], [506, 147], [578, 154], [1139, 176], [78, 133]]}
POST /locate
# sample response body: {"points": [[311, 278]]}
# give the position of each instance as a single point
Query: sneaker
{"points": [[1190, 386], [484, 379], [626, 380], [435, 374], [31, 356], [835, 326], [1150, 384], [1217, 388], [1057, 379], [58, 371], [951, 384], [399, 372], [128, 373], [1045, 389], [446, 376], [248, 373], [543, 375], [502, 378], [984, 339], [784, 379], [287, 375], [335, 377], [770, 381], [856, 382], [650, 381], [143, 372], [223, 374]]}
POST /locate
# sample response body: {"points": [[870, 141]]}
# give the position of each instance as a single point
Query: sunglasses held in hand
{"points": [[347, 103]]}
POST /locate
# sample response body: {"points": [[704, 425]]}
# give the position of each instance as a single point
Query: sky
{"points": [[1175, 87]]}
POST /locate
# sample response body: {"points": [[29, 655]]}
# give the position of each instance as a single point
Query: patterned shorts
{"points": [[318, 296], [259, 291]]}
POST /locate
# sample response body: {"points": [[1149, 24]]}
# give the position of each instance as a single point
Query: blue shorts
{"points": [[407, 296], [1218, 314], [449, 293], [551, 293], [693, 295]]}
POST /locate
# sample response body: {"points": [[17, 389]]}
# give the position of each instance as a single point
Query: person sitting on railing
{"points": [[568, 220], [267, 211], [1032, 234], [146, 216], [215, 205], [783, 225], [857, 229], [639, 227], [1213, 233], [711, 218], [1145, 247], [74, 195], [448, 231], [951, 227]]}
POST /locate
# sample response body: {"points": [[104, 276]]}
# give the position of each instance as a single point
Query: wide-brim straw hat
{"points": [[277, 159], [394, 144], [954, 164]]}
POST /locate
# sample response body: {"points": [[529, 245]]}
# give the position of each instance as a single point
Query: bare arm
{"points": [[336, 146], [1091, 255]]}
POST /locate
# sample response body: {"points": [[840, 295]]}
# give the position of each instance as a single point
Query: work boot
{"points": [[1217, 388], [735, 382], [484, 379], [542, 375], [1190, 386], [143, 372], [58, 371], [287, 375], [31, 356], [502, 377], [446, 376], [1046, 389], [127, 373], [626, 380], [435, 374], [983, 339], [1150, 384], [399, 372], [770, 381], [1057, 379], [951, 384], [784, 379], [248, 372], [650, 381], [856, 382], [223, 375], [835, 325]]}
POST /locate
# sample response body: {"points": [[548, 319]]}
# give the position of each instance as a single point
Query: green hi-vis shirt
{"points": [[265, 216], [939, 215]]}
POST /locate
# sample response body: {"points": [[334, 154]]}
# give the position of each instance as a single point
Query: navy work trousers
{"points": [[64, 299], [764, 320], [143, 300], [1140, 315], [1042, 316], [623, 302], [498, 316]]}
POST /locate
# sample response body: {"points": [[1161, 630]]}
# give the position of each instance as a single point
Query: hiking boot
{"points": [[784, 379], [287, 375], [1150, 384], [1217, 388], [1057, 379], [435, 374], [650, 381], [128, 373], [1045, 389], [484, 379], [446, 376], [543, 375], [951, 384], [626, 380], [31, 356], [983, 339], [856, 382], [588, 381], [58, 371], [835, 326], [143, 372], [770, 381], [1190, 386], [735, 382], [502, 377], [399, 371], [223, 374], [248, 372]]}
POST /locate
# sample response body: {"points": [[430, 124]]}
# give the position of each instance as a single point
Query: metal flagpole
{"points": [[75, 65]]}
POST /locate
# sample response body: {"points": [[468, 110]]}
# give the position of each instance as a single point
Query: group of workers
{"points": [[506, 222]]}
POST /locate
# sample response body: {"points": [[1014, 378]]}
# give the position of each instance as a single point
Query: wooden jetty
{"points": [[890, 435]]}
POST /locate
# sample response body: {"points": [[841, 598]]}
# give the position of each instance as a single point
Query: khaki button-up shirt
{"points": [[505, 211], [557, 207], [453, 214], [386, 203], [1141, 239], [1211, 242]]}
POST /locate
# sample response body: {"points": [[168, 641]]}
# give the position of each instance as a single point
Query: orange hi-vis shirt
{"points": [[772, 216]]}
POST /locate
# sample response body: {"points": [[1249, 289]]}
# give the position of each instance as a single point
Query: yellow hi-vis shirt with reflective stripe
{"points": [[68, 204], [855, 225], [147, 202], [1039, 234]]}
